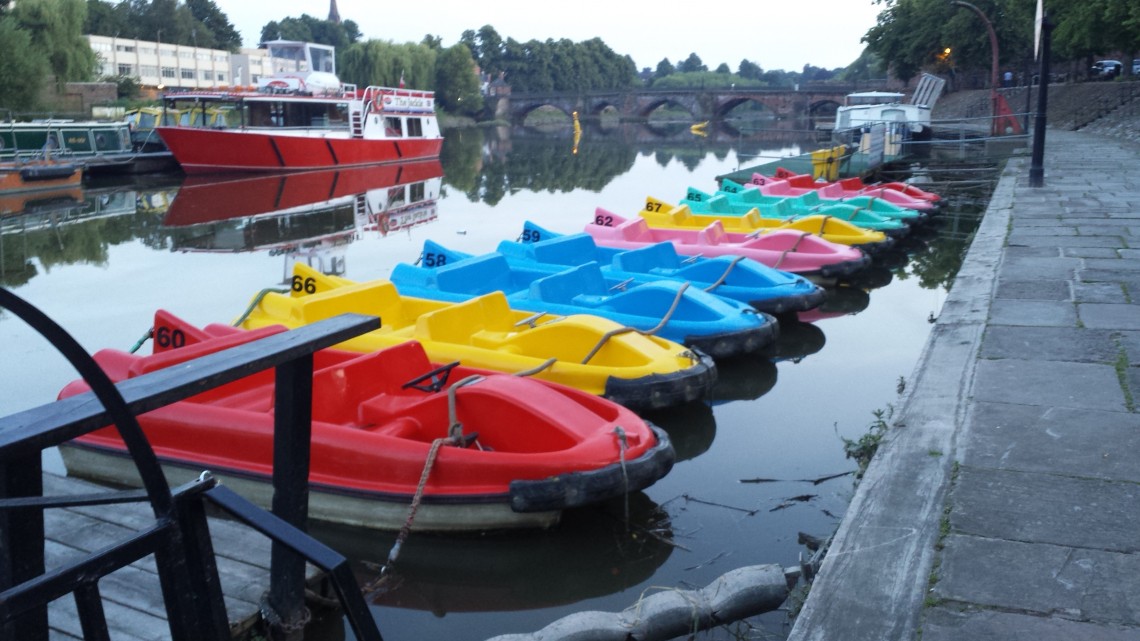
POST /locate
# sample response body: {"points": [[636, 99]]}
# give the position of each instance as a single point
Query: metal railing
{"points": [[179, 536]]}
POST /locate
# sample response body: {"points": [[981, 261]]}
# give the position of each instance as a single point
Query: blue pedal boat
{"points": [[670, 309], [765, 288]]}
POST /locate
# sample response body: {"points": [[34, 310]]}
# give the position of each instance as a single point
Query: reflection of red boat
{"points": [[209, 199], [606, 550], [518, 450]]}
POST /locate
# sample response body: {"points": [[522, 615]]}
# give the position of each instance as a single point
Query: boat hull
{"points": [[200, 150]]}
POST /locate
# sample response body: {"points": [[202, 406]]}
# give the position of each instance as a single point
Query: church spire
{"points": [[334, 15]]}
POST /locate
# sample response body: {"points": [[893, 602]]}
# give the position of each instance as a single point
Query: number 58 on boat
{"points": [[301, 118]]}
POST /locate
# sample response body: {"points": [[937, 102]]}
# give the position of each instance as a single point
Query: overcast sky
{"points": [[776, 34]]}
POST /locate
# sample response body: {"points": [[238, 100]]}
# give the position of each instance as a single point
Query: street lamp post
{"points": [[1000, 110]]}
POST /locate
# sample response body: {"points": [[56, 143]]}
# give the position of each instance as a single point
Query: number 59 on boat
{"points": [[301, 118]]}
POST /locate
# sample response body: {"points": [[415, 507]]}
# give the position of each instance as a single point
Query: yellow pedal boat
{"points": [[588, 352], [659, 213]]}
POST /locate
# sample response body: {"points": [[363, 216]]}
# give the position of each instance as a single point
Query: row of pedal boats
{"points": [[512, 381]]}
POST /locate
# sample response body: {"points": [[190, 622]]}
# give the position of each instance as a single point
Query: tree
{"points": [[691, 64], [457, 86], [723, 68], [22, 70], [749, 69], [664, 68], [208, 14], [56, 31]]}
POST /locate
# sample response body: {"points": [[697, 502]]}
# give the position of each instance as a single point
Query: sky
{"points": [[775, 34]]}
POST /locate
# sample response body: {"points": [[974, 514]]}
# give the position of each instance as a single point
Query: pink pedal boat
{"points": [[793, 251], [896, 193]]}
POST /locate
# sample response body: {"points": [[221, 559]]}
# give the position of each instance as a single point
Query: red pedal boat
{"points": [[522, 450]]}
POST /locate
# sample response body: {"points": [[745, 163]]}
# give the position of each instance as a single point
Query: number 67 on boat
{"points": [[301, 118]]}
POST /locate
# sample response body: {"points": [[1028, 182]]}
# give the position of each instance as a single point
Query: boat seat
{"points": [[377, 298], [457, 323], [646, 260], [714, 234], [338, 390], [476, 275], [572, 249], [565, 286]]}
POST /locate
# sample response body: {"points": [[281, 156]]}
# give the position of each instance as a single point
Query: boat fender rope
{"points": [[255, 302], [692, 259], [540, 368], [406, 529], [795, 246], [623, 445], [724, 276], [144, 338], [455, 428], [647, 332]]}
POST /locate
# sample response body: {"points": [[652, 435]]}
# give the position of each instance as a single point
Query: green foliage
{"points": [[199, 23], [309, 29], [703, 79], [863, 449], [208, 14], [377, 62], [457, 86], [56, 30], [692, 64], [21, 69], [126, 87], [552, 65]]}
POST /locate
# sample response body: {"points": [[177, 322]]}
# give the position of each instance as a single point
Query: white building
{"points": [[168, 66]]}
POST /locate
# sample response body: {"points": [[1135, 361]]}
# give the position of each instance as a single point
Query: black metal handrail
{"points": [[179, 536]]}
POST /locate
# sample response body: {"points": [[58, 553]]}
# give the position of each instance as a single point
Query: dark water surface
{"points": [[742, 488]]}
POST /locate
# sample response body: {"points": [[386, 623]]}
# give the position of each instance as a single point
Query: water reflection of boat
{"points": [[691, 428], [840, 301], [593, 549], [797, 340], [288, 213], [36, 202], [744, 378]]}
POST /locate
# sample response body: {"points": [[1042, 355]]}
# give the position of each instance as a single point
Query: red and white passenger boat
{"points": [[301, 118]]}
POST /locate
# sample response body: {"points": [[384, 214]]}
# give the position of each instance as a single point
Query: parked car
{"points": [[1136, 66], [1107, 69]]}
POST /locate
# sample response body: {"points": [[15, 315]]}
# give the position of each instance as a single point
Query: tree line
{"points": [[42, 38], [915, 35]]}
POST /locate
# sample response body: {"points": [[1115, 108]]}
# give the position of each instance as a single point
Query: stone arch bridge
{"points": [[703, 104]]}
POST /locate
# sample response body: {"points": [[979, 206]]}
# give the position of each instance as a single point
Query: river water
{"points": [[750, 460]]}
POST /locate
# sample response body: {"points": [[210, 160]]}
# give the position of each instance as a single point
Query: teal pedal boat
{"points": [[739, 203], [811, 201], [669, 309], [765, 288]]}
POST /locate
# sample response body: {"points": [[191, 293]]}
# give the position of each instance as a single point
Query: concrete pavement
{"points": [[1004, 504]]}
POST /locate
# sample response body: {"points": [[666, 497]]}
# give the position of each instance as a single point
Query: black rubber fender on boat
{"points": [[576, 489], [658, 391]]}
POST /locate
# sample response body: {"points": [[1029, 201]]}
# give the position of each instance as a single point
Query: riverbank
{"points": [[1106, 108], [1003, 500]]}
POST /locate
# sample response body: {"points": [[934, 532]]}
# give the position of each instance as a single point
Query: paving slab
{"points": [[1044, 507], [977, 624], [1049, 384], [1035, 289], [1075, 344], [1075, 583], [1033, 313], [1111, 316], [1075, 442]]}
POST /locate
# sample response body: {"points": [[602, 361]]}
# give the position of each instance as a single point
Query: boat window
{"points": [[415, 128], [393, 127], [416, 192], [396, 197]]}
